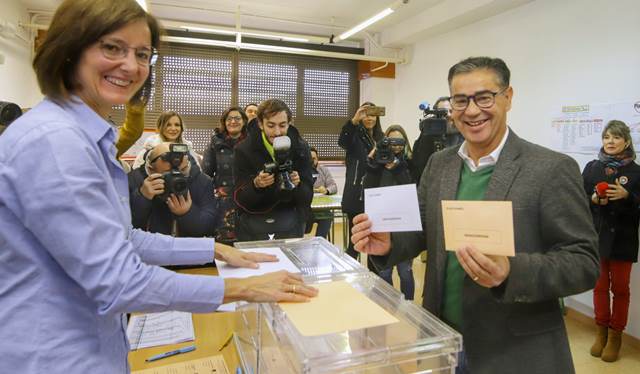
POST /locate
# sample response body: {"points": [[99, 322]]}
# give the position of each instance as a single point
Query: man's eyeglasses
{"points": [[483, 99], [145, 56], [234, 118]]}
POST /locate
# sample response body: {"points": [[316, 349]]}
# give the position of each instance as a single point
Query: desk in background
{"points": [[329, 207]]}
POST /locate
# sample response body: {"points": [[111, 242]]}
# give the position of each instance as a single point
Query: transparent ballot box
{"points": [[268, 341], [313, 256]]}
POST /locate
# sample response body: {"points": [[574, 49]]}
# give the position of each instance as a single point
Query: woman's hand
{"points": [[372, 153], [391, 165], [599, 200], [295, 178], [616, 191], [241, 259], [271, 287], [359, 116]]}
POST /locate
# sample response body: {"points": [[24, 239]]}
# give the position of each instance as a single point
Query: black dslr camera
{"points": [[174, 181], [384, 152], [282, 165]]}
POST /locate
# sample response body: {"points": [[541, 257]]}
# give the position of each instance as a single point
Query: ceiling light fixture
{"points": [[208, 30], [363, 25], [258, 35]]}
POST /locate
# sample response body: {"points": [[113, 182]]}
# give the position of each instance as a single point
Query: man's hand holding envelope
{"points": [[481, 234]]}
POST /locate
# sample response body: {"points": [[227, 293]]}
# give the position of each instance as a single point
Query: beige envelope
{"points": [[488, 225], [338, 307]]}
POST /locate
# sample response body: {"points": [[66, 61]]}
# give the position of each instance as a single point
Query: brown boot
{"points": [[611, 350], [601, 341]]}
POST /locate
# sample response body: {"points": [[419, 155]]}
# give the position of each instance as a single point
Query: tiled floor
{"points": [[581, 335]]}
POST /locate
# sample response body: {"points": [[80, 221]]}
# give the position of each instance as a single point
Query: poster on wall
{"points": [[578, 129]]}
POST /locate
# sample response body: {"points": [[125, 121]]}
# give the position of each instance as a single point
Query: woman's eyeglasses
{"points": [[145, 56]]}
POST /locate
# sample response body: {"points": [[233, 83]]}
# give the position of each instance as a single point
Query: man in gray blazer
{"points": [[506, 308]]}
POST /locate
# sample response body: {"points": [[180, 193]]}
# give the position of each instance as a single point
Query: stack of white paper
{"points": [[153, 329]]}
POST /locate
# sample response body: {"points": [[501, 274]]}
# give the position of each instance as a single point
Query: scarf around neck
{"points": [[614, 162]]}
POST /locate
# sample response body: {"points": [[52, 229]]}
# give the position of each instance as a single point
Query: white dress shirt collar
{"points": [[486, 161]]}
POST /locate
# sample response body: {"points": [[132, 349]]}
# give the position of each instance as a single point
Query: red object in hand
{"points": [[601, 189]]}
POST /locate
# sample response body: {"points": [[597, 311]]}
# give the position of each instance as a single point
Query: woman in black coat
{"points": [[358, 138], [266, 210], [612, 183], [218, 164], [394, 173]]}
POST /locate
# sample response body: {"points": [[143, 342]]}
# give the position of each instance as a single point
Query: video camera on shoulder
{"points": [[434, 121], [384, 151], [174, 181], [282, 165]]}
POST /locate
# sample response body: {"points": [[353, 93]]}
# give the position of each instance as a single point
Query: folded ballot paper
{"points": [[154, 329]]}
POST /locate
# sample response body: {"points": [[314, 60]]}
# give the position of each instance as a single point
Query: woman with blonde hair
{"points": [[169, 128]]}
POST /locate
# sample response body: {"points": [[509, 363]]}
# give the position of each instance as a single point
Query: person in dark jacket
{"points": [[358, 137], [218, 164], [426, 144], [265, 209], [192, 216], [614, 206], [394, 173]]}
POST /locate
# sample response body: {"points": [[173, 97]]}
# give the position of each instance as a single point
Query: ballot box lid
{"points": [[313, 256]]}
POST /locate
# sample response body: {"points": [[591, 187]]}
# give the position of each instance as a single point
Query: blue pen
{"points": [[172, 353]]}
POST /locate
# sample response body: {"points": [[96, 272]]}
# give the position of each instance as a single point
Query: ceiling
{"points": [[323, 18]]}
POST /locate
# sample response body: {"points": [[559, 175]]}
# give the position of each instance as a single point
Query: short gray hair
{"points": [[468, 65]]}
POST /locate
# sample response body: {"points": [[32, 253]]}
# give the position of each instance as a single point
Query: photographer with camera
{"points": [[358, 137], [273, 181], [169, 196], [389, 164], [437, 132]]}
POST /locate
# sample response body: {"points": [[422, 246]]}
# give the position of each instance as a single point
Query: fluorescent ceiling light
{"points": [[143, 5], [230, 32], [365, 24], [279, 37], [208, 30]]}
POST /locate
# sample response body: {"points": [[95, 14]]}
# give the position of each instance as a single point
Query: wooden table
{"points": [[211, 329]]}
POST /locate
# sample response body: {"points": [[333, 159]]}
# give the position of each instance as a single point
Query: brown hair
{"points": [[76, 25], [407, 147], [162, 124], [619, 128], [225, 114], [271, 107]]}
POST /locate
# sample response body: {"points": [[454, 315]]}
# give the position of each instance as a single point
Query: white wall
{"points": [[17, 80], [559, 52]]}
